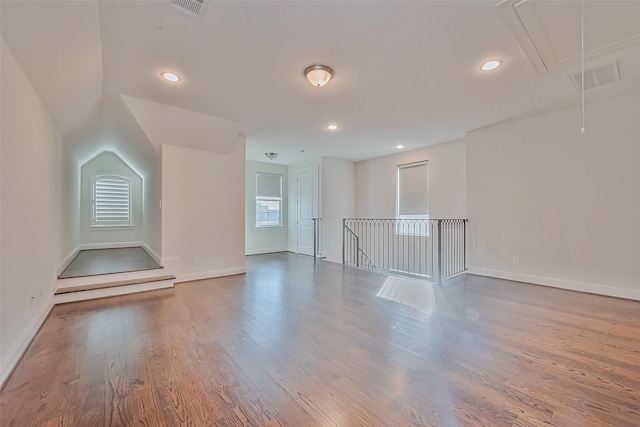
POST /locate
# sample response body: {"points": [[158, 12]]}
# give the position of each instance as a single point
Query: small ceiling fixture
{"points": [[399, 146], [170, 77], [318, 75], [491, 65], [332, 127], [271, 156]]}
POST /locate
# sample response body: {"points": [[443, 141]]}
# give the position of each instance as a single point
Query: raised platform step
{"points": [[95, 262], [106, 285], [113, 284], [63, 298], [78, 283]]}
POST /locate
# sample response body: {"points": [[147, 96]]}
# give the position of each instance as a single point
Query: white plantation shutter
{"points": [[111, 200]]}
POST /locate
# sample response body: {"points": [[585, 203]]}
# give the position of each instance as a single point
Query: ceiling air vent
{"points": [[192, 7], [595, 77]]}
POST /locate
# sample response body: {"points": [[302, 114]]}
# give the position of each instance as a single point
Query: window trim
{"points": [[110, 224], [269, 199]]}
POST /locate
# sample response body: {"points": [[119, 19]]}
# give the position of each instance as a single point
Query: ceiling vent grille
{"points": [[595, 77], [192, 7]]}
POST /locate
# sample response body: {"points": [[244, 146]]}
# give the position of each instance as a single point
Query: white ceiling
{"points": [[405, 72]]}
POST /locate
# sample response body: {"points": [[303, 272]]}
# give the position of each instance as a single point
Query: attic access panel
{"points": [[549, 32]]}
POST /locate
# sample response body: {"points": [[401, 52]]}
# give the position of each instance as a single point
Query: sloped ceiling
{"points": [[58, 44], [165, 124], [405, 72]]}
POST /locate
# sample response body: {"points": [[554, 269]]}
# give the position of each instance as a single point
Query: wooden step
{"points": [[66, 285], [121, 284], [112, 284]]}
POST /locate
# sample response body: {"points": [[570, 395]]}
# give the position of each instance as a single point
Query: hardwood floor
{"points": [[293, 344]]}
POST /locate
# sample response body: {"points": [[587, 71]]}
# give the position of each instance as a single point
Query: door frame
{"points": [[310, 170]]}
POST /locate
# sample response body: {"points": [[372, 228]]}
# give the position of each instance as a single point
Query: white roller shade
{"points": [[413, 189], [268, 185]]}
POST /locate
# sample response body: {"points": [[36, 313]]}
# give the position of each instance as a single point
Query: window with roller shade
{"points": [[268, 200], [111, 201], [412, 202]]}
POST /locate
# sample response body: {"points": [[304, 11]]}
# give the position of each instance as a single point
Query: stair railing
{"points": [[351, 249], [430, 248], [317, 238]]}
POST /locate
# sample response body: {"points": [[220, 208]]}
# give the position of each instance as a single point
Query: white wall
{"points": [[292, 172], [30, 227], [140, 154], [567, 204], [338, 202], [376, 181], [264, 239], [109, 163], [71, 205], [203, 211], [151, 210]]}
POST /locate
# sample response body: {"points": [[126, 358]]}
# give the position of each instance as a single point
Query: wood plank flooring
{"points": [[297, 344]]}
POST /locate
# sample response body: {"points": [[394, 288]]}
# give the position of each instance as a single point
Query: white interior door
{"points": [[307, 208]]}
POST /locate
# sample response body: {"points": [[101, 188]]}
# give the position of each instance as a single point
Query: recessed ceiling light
{"points": [[332, 127], [491, 65], [170, 77], [399, 146]]}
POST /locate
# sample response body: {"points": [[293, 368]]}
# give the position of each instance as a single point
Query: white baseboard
{"points": [[152, 253], [265, 251], [67, 260], [112, 245], [17, 350], [558, 283], [188, 277], [172, 265]]}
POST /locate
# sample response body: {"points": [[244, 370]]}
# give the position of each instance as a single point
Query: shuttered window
{"points": [[111, 201]]}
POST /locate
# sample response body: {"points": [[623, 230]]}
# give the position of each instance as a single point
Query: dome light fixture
{"points": [[399, 146], [332, 126], [318, 75], [170, 77], [491, 65], [271, 156]]}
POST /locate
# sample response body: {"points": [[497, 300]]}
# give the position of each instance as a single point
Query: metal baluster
{"points": [[464, 252], [439, 252]]}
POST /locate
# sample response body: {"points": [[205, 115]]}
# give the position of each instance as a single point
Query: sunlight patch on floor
{"points": [[412, 292]]}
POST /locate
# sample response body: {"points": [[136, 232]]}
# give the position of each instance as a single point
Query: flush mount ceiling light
{"points": [[318, 75], [332, 127], [399, 146], [491, 65], [271, 156], [170, 77]]}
